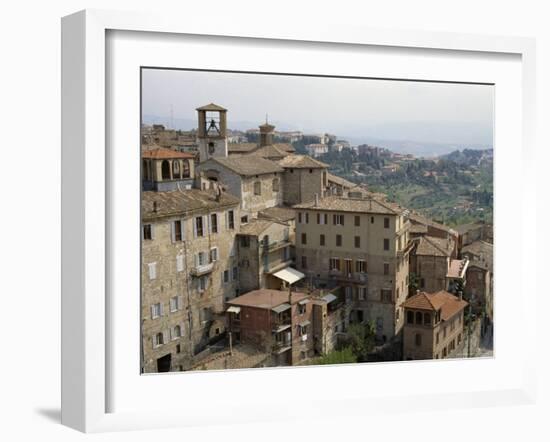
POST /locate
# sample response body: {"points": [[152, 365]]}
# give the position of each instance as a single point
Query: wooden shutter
{"points": [[180, 302], [152, 231], [152, 311], [182, 225], [194, 220]]}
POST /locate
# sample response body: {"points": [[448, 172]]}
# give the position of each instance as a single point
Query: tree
{"points": [[343, 356], [360, 338], [414, 283]]}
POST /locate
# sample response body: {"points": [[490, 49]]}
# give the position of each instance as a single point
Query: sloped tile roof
{"points": [[301, 162], [183, 202], [432, 246], [159, 153], [211, 107], [283, 214], [247, 165], [447, 302], [266, 298], [341, 204]]}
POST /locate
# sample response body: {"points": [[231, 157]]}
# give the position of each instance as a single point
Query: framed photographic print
{"points": [[250, 215]]}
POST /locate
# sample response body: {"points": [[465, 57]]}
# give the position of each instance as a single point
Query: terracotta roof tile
{"points": [[247, 165], [301, 162], [266, 298], [447, 302], [432, 246], [182, 202], [360, 205], [165, 153]]}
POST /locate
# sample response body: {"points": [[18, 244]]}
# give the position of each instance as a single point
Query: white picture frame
{"points": [[86, 258]]}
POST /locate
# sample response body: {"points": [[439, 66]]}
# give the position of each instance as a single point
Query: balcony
{"points": [[276, 245], [202, 269], [358, 277]]}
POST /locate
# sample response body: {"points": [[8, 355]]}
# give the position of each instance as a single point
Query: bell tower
{"points": [[212, 131]]}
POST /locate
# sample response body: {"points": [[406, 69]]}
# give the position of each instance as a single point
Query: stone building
{"points": [[422, 226], [478, 231], [434, 325], [304, 177], [264, 249], [256, 181], [430, 261], [189, 268], [361, 245], [164, 169], [479, 277], [331, 315], [275, 321]]}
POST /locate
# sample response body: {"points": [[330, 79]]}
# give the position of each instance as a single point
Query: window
{"points": [[301, 309], [418, 339], [226, 276], [147, 231], [386, 244], [177, 230], [214, 223], [304, 262], [444, 332], [244, 219], [422, 283], [427, 319], [362, 293], [334, 264], [203, 283], [348, 263], [198, 226], [156, 310], [304, 238], [357, 220], [257, 188], [357, 242], [437, 338], [213, 254], [201, 258], [175, 303], [230, 219], [152, 270], [338, 240], [235, 273], [318, 218], [300, 217], [386, 223], [322, 240], [176, 332], [158, 340], [306, 216], [418, 318], [372, 219], [338, 220], [385, 295], [322, 218], [361, 266], [176, 169], [275, 185], [410, 317], [386, 268]]}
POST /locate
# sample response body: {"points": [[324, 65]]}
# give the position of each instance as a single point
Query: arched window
{"points": [[176, 169], [410, 317], [419, 318], [177, 331], [275, 184], [185, 169], [427, 319], [165, 170]]}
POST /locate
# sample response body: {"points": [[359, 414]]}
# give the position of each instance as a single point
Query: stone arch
{"points": [[165, 170]]}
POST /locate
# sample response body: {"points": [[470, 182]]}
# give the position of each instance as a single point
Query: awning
{"points": [[281, 308], [304, 324], [303, 301], [330, 297], [289, 275], [234, 309]]}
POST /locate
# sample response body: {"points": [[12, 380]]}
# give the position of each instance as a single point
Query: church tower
{"points": [[212, 132]]}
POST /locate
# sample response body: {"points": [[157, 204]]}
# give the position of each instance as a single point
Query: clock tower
{"points": [[212, 132]]}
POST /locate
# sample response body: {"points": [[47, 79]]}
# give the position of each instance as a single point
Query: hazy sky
{"points": [[402, 110]]}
